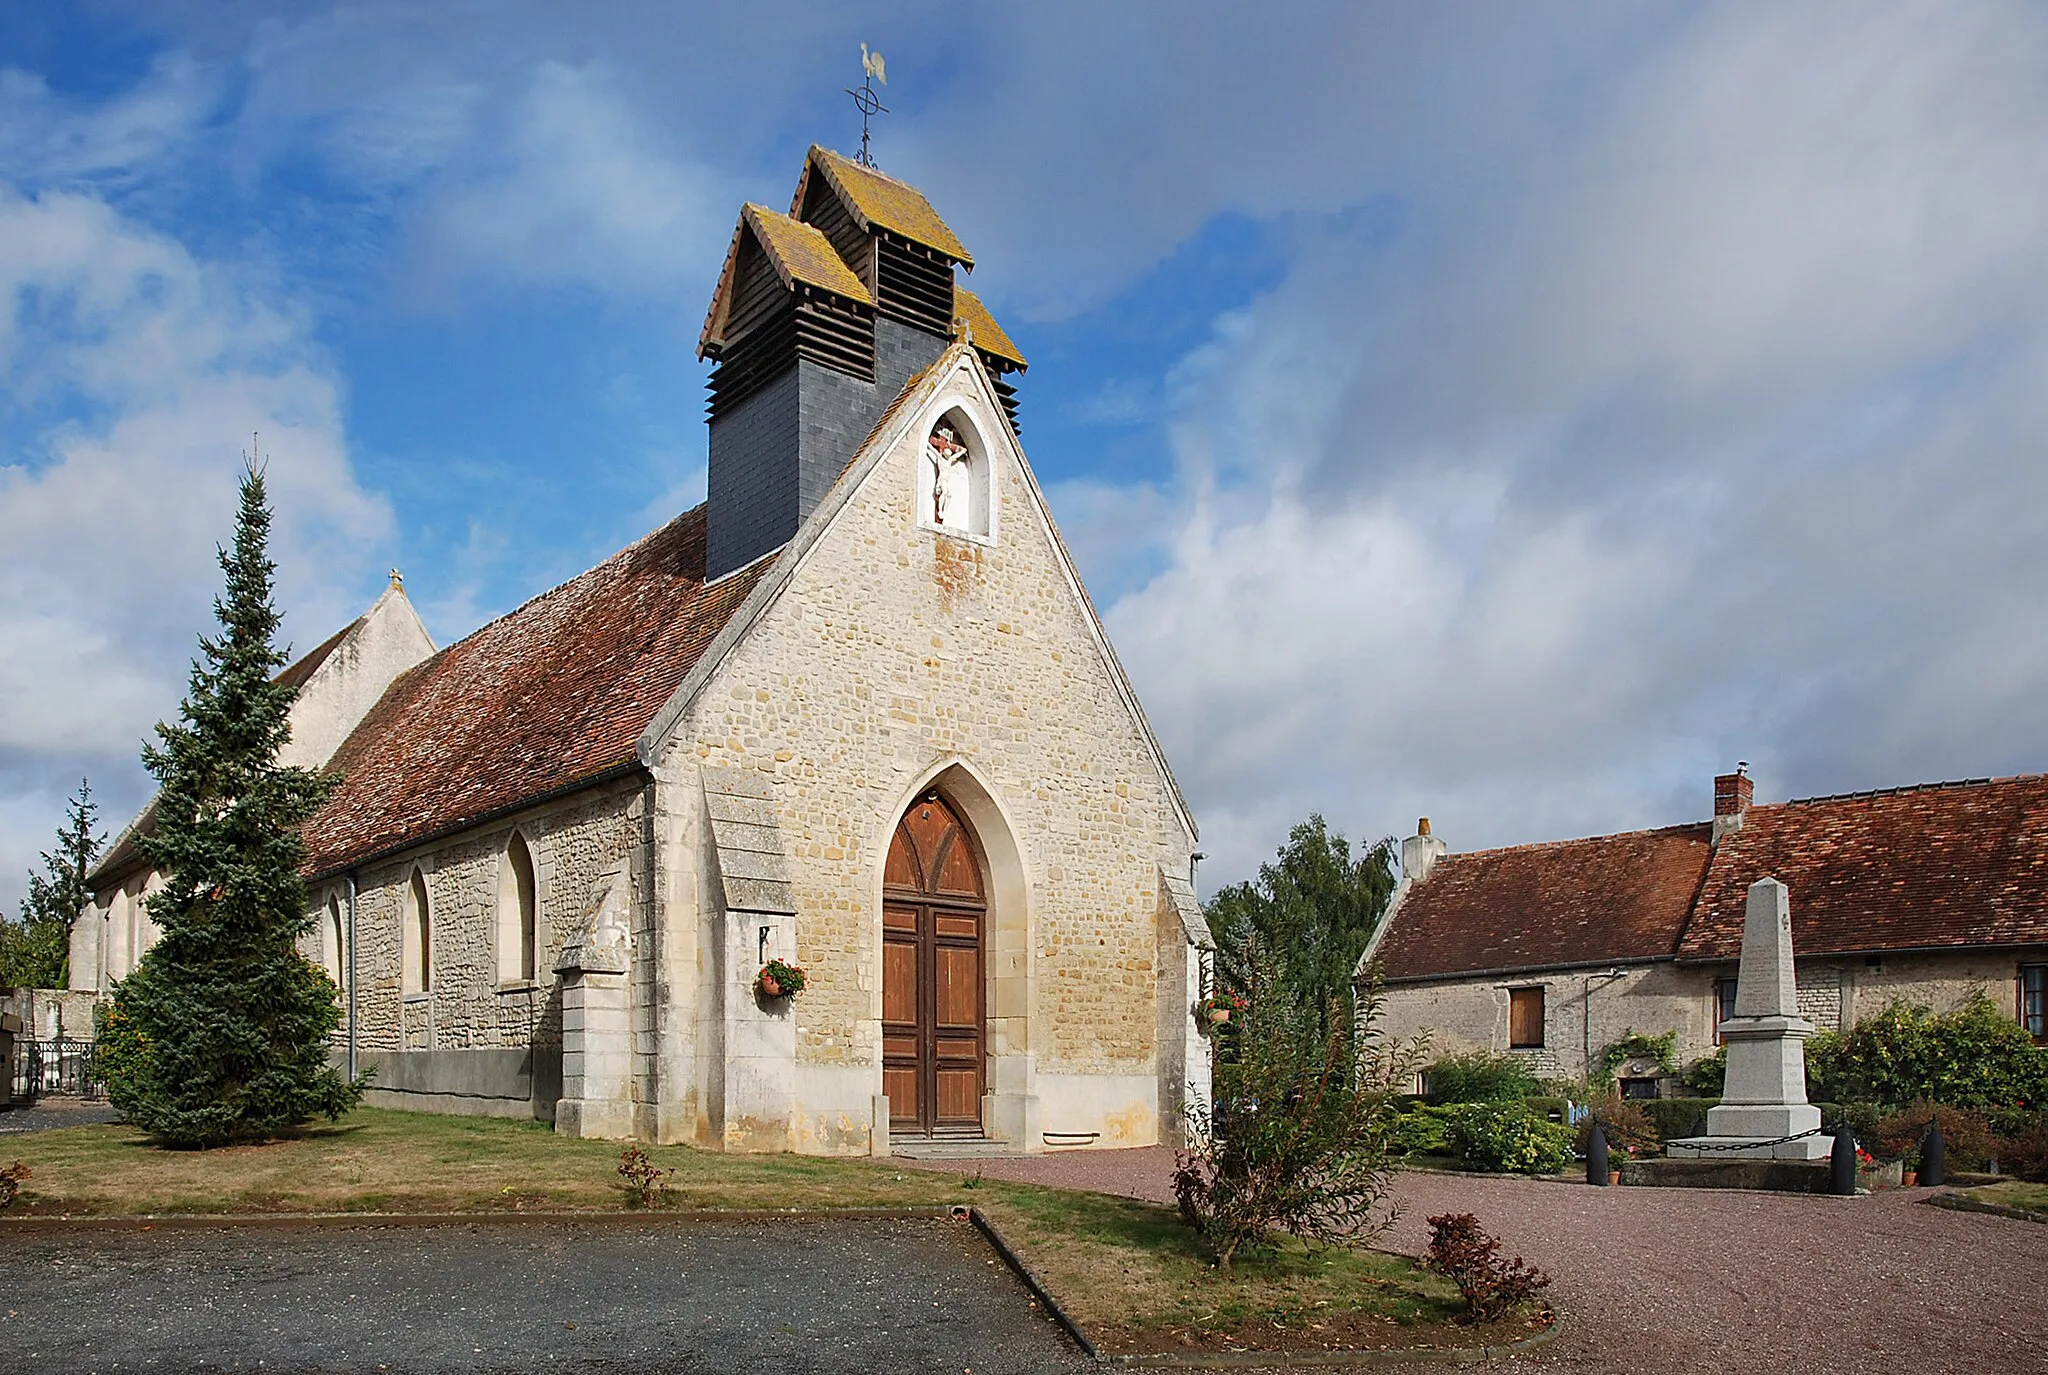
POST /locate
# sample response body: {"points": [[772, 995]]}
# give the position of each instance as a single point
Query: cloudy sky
{"points": [[1513, 414]]}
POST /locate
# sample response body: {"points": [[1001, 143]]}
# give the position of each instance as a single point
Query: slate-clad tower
{"points": [[820, 319]]}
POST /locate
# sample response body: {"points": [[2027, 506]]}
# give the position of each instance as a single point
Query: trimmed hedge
{"points": [[1676, 1116], [1552, 1109]]}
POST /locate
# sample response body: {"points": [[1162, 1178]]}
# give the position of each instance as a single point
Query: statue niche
{"points": [[953, 489]]}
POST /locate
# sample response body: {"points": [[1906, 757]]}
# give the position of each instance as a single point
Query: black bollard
{"points": [[1842, 1162], [1933, 1157], [1596, 1156]]}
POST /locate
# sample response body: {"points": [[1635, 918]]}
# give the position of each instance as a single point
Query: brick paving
{"points": [[1686, 1281]]}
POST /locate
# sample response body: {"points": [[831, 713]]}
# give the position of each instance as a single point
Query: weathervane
{"points": [[865, 100]]}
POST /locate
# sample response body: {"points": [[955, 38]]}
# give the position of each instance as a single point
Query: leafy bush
{"points": [[2025, 1154], [1550, 1107], [1460, 1250], [1421, 1130], [1972, 1056], [10, 1183], [1509, 1137], [1629, 1129], [1299, 1137], [1635, 1045], [1675, 1117], [1708, 1075], [643, 1177], [1483, 1077], [1966, 1137], [1862, 1118]]}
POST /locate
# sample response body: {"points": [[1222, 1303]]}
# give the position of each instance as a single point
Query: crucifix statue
{"points": [[950, 465]]}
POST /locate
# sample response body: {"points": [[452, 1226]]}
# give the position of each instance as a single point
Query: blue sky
{"points": [[1512, 415]]}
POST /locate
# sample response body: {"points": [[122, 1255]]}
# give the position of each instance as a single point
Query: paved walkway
{"points": [[1686, 1281], [846, 1296], [51, 1113]]}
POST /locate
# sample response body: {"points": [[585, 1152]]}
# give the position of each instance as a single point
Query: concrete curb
{"points": [[1034, 1284], [1962, 1203]]}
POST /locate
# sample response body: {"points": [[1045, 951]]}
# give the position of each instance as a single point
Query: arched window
{"points": [[416, 939], [515, 911], [333, 952], [954, 494]]}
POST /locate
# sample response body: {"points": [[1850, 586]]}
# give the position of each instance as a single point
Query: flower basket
{"points": [[1219, 1010], [779, 979]]}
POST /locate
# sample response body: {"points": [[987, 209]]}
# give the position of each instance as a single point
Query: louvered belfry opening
{"points": [[821, 318]]}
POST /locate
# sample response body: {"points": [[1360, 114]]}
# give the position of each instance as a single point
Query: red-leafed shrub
{"points": [[10, 1182], [2025, 1156], [1461, 1251], [643, 1175]]}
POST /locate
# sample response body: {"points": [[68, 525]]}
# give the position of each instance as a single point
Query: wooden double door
{"points": [[934, 921]]}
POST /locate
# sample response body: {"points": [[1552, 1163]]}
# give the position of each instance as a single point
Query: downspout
{"points": [[351, 977]]}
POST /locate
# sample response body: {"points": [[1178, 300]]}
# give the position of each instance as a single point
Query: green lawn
{"points": [[1127, 1271], [2014, 1193]]}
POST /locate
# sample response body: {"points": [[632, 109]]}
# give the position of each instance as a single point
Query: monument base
{"points": [[1749, 1148], [1777, 1176]]}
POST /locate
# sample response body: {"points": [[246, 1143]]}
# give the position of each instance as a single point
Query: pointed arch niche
{"points": [[1009, 1104], [416, 937], [956, 479], [517, 906]]}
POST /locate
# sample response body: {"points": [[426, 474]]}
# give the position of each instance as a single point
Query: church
{"points": [[855, 715]]}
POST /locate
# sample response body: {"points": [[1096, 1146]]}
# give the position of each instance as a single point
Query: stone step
{"points": [[950, 1148]]}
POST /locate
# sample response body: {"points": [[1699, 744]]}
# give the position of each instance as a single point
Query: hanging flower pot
{"points": [[779, 979], [1218, 1010]]}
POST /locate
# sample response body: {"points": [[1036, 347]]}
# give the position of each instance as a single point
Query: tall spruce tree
{"points": [[221, 1033], [36, 951]]}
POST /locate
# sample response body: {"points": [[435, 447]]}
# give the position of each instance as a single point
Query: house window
{"points": [[516, 912], [415, 939], [2034, 1000], [1525, 1018], [1724, 1005]]}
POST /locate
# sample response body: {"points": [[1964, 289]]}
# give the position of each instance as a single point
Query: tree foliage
{"points": [[35, 952], [1298, 1136], [1314, 909], [222, 1030]]}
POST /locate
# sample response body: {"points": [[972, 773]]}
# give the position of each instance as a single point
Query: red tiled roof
{"points": [[1538, 906], [546, 697], [1947, 864]]}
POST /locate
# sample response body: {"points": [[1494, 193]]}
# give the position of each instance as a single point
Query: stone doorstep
{"points": [[954, 1148]]}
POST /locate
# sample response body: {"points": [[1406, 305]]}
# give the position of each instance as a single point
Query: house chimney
{"points": [[1732, 794], [1420, 852]]}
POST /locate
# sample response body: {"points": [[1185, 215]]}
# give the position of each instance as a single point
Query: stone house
{"points": [[1555, 951], [855, 712]]}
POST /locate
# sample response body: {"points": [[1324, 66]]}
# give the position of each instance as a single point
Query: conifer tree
{"points": [[36, 952], [221, 1032]]}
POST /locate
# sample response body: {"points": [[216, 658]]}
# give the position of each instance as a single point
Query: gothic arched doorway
{"points": [[934, 915]]}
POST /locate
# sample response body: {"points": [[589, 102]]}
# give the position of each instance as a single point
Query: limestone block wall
{"points": [[573, 841], [895, 651]]}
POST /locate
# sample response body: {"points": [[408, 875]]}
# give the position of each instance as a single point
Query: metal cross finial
{"points": [[865, 100], [397, 581]]}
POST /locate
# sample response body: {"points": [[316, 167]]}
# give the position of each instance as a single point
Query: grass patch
{"points": [[1127, 1271], [2014, 1193]]}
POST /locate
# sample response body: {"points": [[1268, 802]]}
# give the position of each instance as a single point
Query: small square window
{"points": [[1525, 1018]]}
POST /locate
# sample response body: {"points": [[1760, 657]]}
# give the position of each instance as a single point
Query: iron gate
{"points": [[60, 1066]]}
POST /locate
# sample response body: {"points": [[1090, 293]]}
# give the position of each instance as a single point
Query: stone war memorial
{"points": [[1763, 1112]]}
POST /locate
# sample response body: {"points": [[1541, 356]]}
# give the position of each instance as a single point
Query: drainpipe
{"points": [[351, 977], [1586, 1022]]}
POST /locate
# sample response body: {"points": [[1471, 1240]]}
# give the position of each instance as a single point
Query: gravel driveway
{"points": [[825, 1296], [1678, 1281]]}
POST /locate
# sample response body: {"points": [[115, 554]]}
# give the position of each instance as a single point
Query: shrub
{"points": [[1972, 1056], [1635, 1045], [1550, 1107], [1482, 1077], [1862, 1118], [1675, 1117], [10, 1183], [1421, 1130], [1965, 1136], [1629, 1129], [1460, 1250], [642, 1176], [1509, 1137], [2025, 1155], [1299, 1138], [1708, 1075]]}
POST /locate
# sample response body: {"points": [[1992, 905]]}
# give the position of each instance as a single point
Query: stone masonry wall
{"points": [[572, 842], [895, 648]]}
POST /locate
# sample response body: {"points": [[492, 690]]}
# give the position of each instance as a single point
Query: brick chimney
{"points": [[1732, 795], [1420, 852]]}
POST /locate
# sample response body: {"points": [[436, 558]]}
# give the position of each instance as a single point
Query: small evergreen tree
{"points": [[222, 1029], [1313, 910], [36, 951]]}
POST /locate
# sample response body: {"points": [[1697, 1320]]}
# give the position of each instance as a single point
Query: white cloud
{"points": [[137, 375], [46, 137]]}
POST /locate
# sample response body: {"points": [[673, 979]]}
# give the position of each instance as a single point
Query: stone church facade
{"points": [[855, 713]]}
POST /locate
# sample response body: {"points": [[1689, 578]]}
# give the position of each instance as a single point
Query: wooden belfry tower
{"points": [[821, 317]]}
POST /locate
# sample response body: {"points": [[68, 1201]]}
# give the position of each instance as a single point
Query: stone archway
{"points": [[935, 918]]}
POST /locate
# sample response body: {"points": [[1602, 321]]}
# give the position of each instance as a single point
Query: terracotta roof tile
{"points": [[1947, 864], [988, 336], [882, 201], [546, 697], [1536, 906]]}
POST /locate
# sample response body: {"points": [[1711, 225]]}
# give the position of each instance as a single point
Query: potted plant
{"points": [[779, 979], [1219, 1009]]}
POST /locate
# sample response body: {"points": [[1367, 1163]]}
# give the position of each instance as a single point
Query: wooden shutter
{"points": [[1525, 1017]]}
